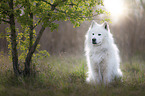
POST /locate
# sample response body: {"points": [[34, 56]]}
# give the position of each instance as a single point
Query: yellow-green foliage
{"points": [[23, 46], [65, 76]]}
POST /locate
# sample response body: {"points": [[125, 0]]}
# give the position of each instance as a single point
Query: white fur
{"points": [[102, 58]]}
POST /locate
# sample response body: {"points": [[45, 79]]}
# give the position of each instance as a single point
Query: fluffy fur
{"points": [[102, 55]]}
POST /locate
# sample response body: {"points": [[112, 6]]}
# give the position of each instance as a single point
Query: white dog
{"points": [[102, 55]]}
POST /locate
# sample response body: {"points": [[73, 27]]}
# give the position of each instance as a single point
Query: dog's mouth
{"points": [[94, 43]]}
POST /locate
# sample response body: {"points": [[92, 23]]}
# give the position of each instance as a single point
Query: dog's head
{"points": [[97, 33]]}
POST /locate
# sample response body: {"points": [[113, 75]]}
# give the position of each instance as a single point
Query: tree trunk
{"points": [[31, 25], [30, 15], [31, 30], [30, 53], [13, 40]]}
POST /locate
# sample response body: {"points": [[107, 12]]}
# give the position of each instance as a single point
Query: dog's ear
{"points": [[105, 25], [93, 24]]}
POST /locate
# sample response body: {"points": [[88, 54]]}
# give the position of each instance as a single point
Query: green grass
{"points": [[65, 76]]}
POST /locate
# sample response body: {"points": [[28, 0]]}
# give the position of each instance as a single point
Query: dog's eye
{"points": [[99, 34], [92, 33]]}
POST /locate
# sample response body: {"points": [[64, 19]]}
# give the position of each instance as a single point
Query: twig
{"points": [[37, 23], [75, 12], [5, 21]]}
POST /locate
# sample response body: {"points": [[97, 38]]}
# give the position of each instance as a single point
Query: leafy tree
{"points": [[31, 13]]}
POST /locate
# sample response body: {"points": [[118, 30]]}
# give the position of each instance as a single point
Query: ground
{"points": [[65, 76]]}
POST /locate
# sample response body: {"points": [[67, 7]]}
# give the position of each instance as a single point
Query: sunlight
{"points": [[115, 7]]}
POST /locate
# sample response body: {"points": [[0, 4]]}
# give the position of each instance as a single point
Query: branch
{"points": [[5, 21], [37, 23], [26, 71], [72, 4], [4, 10], [54, 4], [41, 18], [74, 12], [19, 7], [47, 2]]}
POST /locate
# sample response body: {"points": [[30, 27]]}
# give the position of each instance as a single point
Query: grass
{"points": [[65, 76]]}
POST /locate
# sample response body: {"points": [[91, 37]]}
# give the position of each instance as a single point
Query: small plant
{"points": [[78, 75]]}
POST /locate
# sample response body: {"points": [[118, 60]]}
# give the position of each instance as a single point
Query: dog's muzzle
{"points": [[94, 41]]}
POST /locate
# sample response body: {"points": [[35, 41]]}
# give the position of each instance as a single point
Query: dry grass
{"points": [[65, 76]]}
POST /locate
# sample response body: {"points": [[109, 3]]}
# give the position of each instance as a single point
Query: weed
{"points": [[65, 76]]}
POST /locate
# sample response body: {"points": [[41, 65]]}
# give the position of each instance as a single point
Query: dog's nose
{"points": [[94, 39]]}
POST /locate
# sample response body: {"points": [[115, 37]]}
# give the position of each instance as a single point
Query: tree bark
{"points": [[31, 51], [31, 31], [31, 26], [28, 7], [13, 40]]}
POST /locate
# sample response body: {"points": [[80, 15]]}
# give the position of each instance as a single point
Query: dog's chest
{"points": [[99, 60], [99, 56]]}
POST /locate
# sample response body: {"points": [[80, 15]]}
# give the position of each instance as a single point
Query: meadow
{"points": [[65, 76]]}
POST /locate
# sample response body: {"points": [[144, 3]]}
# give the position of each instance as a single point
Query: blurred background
{"points": [[127, 26]]}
